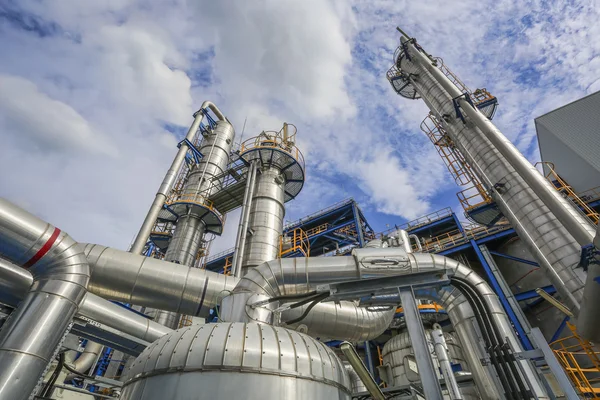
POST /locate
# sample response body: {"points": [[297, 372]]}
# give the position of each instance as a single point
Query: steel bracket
{"points": [[385, 285], [455, 101]]}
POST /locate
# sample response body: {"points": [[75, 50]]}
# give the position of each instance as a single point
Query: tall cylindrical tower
{"points": [[553, 230], [280, 178], [196, 215], [189, 206]]}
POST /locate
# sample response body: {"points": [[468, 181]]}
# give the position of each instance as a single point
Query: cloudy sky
{"points": [[94, 96]]}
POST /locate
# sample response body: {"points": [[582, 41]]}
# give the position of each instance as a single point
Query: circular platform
{"points": [[290, 163], [399, 79], [208, 214]]}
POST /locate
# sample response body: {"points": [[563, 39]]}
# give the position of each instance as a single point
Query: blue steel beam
{"points": [[361, 238], [421, 228], [500, 293], [558, 332], [532, 294], [509, 257]]}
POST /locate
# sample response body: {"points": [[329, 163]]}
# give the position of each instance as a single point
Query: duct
{"points": [[240, 241], [442, 353], [417, 242], [547, 239], [341, 321], [266, 218], [297, 276], [87, 358], [92, 306], [30, 338], [170, 177], [149, 282], [588, 323]]}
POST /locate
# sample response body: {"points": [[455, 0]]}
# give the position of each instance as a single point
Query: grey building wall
{"points": [[569, 137]]}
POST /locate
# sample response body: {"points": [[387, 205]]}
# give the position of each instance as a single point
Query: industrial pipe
{"points": [[441, 351], [240, 241], [362, 372], [169, 180], [87, 358], [30, 338], [92, 306], [149, 282], [297, 276]]}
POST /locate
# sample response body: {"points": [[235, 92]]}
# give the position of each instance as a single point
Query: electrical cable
{"points": [[478, 312], [49, 386], [293, 296], [319, 298], [504, 349], [500, 345]]}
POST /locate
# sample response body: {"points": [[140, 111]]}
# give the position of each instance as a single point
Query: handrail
{"points": [[273, 142], [320, 212], [423, 220]]}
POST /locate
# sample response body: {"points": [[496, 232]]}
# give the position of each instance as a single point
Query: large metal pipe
{"points": [[87, 358], [15, 282], [362, 372], [30, 338], [442, 353], [240, 241], [169, 180], [149, 282], [539, 228], [298, 276]]}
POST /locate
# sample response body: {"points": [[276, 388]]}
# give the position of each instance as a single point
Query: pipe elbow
{"points": [[214, 108]]}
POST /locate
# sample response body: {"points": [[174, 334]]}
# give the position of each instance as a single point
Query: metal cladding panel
{"points": [[273, 360]]}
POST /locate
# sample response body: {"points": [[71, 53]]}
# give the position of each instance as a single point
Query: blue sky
{"points": [[95, 95]]}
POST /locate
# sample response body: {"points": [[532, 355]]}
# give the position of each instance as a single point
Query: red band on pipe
{"points": [[45, 248]]}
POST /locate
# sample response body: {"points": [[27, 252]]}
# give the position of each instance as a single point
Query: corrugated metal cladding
{"points": [[569, 137]]}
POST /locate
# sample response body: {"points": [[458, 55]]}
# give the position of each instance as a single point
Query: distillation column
{"points": [[195, 214], [280, 178], [552, 228]]}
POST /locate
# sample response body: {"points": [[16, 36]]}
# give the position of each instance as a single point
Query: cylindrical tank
{"points": [[266, 218], [399, 355], [236, 360]]}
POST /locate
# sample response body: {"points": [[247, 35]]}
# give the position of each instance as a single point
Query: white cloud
{"points": [[111, 75]]}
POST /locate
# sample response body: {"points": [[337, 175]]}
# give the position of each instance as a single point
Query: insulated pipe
{"points": [[297, 276], [15, 282], [441, 351], [30, 338], [87, 358], [149, 282], [169, 180], [577, 225], [344, 320], [417, 241], [240, 241], [362, 372]]}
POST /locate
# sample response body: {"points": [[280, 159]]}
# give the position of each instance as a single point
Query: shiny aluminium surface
{"points": [[135, 279], [242, 233], [359, 368], [555, 249], [265, 219], [87, 358], [186, 241], [301, 275], [357, 385], [92, 306], [30, 337], [236, 360], [169, 179]]}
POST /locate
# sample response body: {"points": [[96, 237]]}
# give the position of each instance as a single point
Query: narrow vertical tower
{"points": [[280, 178], [552, 228], [196, 215]]}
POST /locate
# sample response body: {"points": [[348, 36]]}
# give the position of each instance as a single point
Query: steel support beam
{"points": [[510, 304], [429, 380]]}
